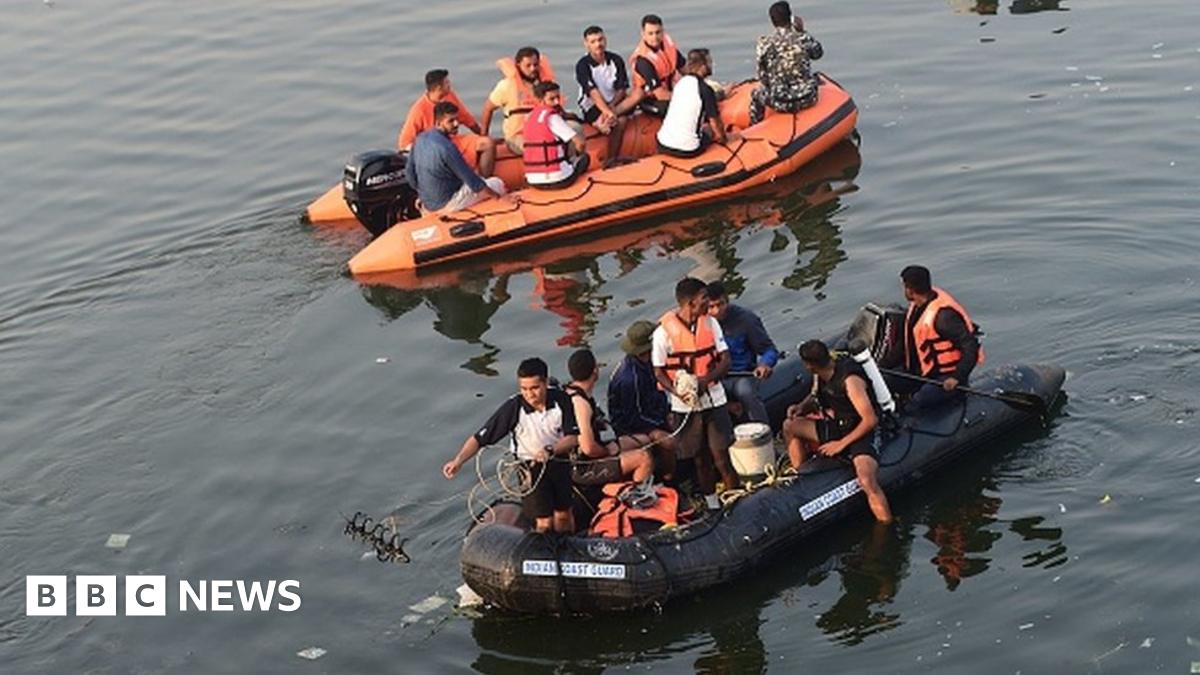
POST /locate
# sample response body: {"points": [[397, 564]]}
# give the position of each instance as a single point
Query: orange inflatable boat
{"points": [[775, 147]]}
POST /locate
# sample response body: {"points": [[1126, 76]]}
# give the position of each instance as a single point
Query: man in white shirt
{"points": [[693, 119], [690, 357]]}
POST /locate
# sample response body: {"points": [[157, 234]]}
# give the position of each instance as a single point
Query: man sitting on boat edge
{"points": [[846, 427], [600, 461], [550, 143], [478, 151], [438, 172], [637, 407]]}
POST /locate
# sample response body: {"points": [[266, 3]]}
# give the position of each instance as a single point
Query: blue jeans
{"points": [[744, 390]]}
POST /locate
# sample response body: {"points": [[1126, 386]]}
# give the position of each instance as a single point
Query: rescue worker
{"points": [[540, 425], [438, 172], [602, 460], [603, 86], [513, 94], [636, 406], [547, 155], [655, 66], [479, 151], [750, 351], [785, 79], [847, 421], [941, 341], [693, 121], [689, 342]]}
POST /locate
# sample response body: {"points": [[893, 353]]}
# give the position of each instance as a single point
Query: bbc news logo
{"points": [[146, 595]]}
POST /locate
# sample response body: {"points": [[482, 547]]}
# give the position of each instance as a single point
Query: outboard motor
{"points": [[377, 190], [881, 329]]}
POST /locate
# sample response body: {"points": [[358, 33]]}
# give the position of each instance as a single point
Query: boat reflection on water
{"points": [[956, 512], [568, 280]]}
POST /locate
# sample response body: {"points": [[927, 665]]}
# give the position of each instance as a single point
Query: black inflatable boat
{"points": [[514, 568]]}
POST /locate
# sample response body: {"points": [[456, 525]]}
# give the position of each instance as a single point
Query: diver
{"points": [[847, 422]]}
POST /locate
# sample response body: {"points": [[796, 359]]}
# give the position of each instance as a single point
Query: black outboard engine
{"points": [[377, 190], [882, 330]]}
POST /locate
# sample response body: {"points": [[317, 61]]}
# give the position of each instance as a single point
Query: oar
{"points": [[1023, 401]]}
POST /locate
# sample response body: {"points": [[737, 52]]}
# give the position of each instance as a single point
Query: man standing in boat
{"points": [[785, 79], [752, 353], [540, 425], [940, 342], [478, 151], [656, 64], [438, 172], [513, 94], [690, 357], [603, 86], [603, 460], [846, 425]]}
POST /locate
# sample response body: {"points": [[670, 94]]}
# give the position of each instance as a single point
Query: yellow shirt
{"points": [[506, 97]]}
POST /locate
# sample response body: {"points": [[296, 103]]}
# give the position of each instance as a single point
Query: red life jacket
{"points": [[665, 61], [693, 352], [614, 518], [936, 354], [544, 152]]}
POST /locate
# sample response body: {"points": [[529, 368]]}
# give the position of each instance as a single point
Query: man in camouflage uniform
{"points": [[786, 83]]}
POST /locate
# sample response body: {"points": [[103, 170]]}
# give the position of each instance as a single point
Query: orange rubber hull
{"points": [[775, 147]]}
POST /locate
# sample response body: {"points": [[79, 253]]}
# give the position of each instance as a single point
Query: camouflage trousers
{"points": [[761, 98]]}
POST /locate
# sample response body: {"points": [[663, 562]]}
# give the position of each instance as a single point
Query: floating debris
{"points": [[311, 653], [1110, 652], [1146, 643], [1038, 95], [1156, 56], [1059, 31], [1105, 499], [1138, 398], [986, 39], [1025, 626], [1073, 69], [468, 597], [1055, 579], [428, 604], [1093, 78], [891, 124], [117, 541], [1062, 508], [382, 359], [1158, 45], [1195, 667], [1103, 89], [409, 619], [1193, 642]]}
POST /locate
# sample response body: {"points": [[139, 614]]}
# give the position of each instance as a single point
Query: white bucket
{"points": [[752, 449]]}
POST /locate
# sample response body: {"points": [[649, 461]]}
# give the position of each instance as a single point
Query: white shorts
{"points": [[466, 197]]}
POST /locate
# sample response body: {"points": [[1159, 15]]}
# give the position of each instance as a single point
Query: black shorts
{"points": [[553, 490], [711, 428], [596, 471], [832, 430]]}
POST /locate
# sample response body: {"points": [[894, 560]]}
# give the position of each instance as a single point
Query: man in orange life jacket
{"points": [[940, 341], [513, 95], [546, 137], [478, 151], [846, 428], [688, 340], [655, 65]]}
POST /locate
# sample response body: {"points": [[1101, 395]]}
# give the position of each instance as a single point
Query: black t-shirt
{"points": [[530, 430], [610, 77]]}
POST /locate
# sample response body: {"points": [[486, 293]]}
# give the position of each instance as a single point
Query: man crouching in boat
{"points": [[602, 461], [540, 423], [688, 348], [437, 170], [845, 429]]}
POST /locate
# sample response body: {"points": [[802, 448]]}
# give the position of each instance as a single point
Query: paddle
{"points": [[1020, 400]]}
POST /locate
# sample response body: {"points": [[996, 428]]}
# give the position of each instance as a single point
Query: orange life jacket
{"points": [[508, 68], [544, 152], [693, 352], [664, 60], [936, 354], [614, 518]]}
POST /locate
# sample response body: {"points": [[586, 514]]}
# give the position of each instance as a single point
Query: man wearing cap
{"points": [[636, 406]]}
